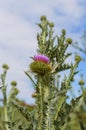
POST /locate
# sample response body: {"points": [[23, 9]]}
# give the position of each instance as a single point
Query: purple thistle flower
{"points": [[42, 58]]}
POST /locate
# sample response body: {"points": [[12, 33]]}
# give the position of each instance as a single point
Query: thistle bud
{"points": [[69, 40], [63, 31], [51, 25], [43, 18], [13, 83], [81, 82], [77, 58], [5, 66]]}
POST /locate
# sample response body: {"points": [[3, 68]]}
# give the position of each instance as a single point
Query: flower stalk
{"points": [[4, 87]]}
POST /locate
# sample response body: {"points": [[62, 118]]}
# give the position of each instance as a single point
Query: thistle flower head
{"points": [[42, 58]]}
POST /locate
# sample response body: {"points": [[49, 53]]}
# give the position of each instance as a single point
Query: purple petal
{"points": [[42, 58]]}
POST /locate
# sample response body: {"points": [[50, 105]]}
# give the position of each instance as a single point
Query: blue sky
{"points": [[18, 31]]}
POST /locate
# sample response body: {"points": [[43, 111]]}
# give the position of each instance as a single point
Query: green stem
{"points": [[6, 117], [46, 107], [4, 87], [5, 109], [43, 104], [39, 105]]}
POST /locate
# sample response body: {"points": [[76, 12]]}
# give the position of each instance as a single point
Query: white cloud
{"points": [[14, 31]]}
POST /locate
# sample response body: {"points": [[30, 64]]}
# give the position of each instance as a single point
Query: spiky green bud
{"points": [[13, 83], [51, 25], [63, 31], [81, 82], [43, 18], [69, 40], [77, 58], [40, 67], [5, 66]]}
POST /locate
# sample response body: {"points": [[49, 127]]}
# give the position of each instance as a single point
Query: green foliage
{"points": [[51, 111]]}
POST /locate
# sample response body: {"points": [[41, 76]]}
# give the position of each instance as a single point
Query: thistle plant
{"points": [[50, 110], [6, 99], [46, 65], [3, 89]]}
